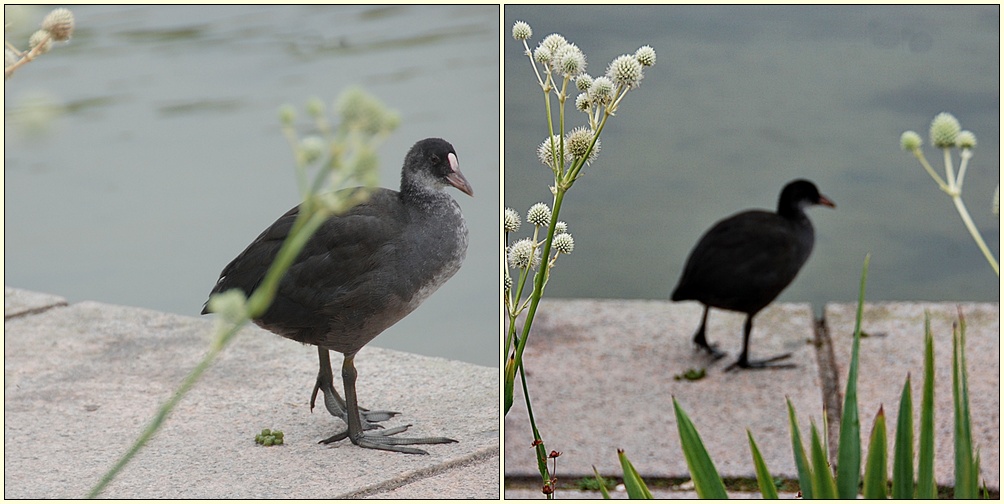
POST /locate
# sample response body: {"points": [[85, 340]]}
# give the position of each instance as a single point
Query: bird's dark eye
{"points": [[434, 158]]}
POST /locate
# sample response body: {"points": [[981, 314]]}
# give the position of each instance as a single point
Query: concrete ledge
{"points": [[18, 302], [81, 381], [895, 347], [601, 374]]}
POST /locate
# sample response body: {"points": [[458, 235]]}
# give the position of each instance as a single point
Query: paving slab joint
{"points": [[34, 311], [829, 381], [420, 474]]}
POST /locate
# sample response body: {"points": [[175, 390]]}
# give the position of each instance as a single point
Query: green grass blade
{"points": [[801, 461], [849, 449], [633, 483], [603, 486], [875, 467], [707, 482], [926, 488], [763, 477], [823, 485], [510, 381], [902, 463], [965, 478]]}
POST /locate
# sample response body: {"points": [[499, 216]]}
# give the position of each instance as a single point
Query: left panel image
{"points": [[252, 252]]}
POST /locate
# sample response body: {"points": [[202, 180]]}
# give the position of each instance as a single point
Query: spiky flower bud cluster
{"points": [[965, 140], [510, 220], [545, 153], [560, 227], [944, 130], [563, 243], [523, 254], [59, 23], [910, 141], [521, 31], [539, 215], [625, 71], [40, 42], [645, 55], [558, 54], [577, 143]]}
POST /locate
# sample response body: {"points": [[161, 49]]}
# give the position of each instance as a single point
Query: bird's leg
{"points": [[334, 402], [702, 342], [745, 363], [382, 441]]}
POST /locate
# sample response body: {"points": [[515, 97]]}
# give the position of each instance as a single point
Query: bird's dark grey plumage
{"points": [[362, 272], [744, 261]]}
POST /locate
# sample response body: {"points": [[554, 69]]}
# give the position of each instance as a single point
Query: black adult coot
{"points": [[359, 274], [743, 262]]}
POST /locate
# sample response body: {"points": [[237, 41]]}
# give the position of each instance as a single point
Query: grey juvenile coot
{"points": [[359, 274], [743, 262]]}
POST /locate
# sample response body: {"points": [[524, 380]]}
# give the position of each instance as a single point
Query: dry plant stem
{"points": [[25, 57]]}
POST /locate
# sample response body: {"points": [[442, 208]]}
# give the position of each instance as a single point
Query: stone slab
{"points": [[896, 347], [80, 383], [601, 374], [19, 302]]}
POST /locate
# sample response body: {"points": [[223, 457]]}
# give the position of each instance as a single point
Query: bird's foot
{"points": [[712, 350], [771, 363], [384, 441], [336, 406]]}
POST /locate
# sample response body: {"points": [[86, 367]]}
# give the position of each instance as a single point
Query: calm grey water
{"points": [[168, 159], [745, 98]]}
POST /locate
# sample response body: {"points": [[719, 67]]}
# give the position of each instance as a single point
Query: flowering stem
{"points": [[930, 171], [961, 207]]}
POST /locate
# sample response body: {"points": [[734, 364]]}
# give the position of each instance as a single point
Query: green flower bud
{"points": [[910, 141], [966, 140], [944, 129], [266, 432], [231, 305], [269, 440], [506, 281], [510, 220], [315, 107], [287, 114], [521, 31], [59, 23], [539, 215], [312, 148], [563, 243]]}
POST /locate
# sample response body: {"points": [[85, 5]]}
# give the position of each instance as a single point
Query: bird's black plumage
{"points": [[361, 272], [744, 261]]}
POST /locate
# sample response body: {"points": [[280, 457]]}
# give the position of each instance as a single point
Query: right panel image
{"points": [[751, 251]]}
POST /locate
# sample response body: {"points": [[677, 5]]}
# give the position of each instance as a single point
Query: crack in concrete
{"points": [[829, 380]]}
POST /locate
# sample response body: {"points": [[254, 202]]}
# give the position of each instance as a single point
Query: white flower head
{"points": [[563, 243], [521, 31], [539, 215], [510, 220], [602, 90], [578, 141], [582, 102], [583, 81], [571, 61], [523, 254], [546, 155], [645, 55], [59, 23], [625, 71]]}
